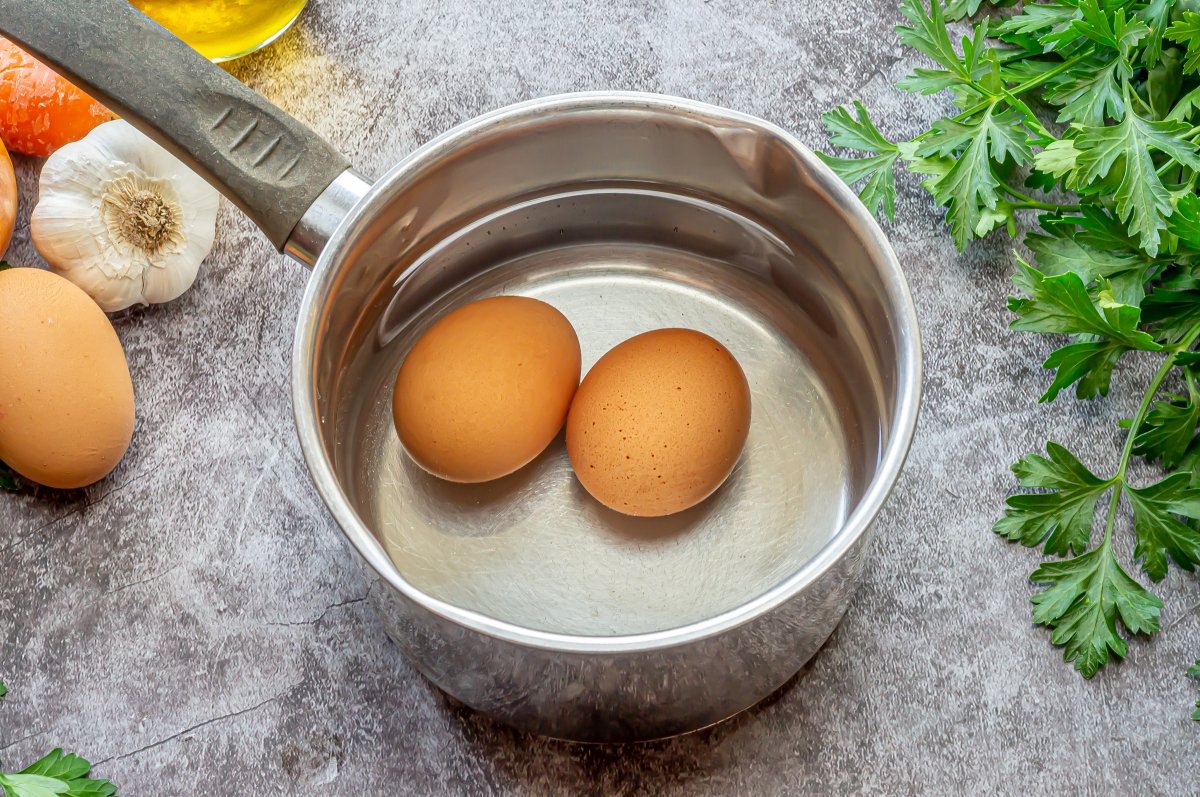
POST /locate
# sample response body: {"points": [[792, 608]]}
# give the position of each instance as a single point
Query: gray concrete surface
{"points": [[195, 624]]}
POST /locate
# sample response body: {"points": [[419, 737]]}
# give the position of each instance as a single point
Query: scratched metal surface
{"points": [[196, 618]]}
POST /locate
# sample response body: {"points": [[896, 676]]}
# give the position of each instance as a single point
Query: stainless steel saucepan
{"points": [[523, 597]]}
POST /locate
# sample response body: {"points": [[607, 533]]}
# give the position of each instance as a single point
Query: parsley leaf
{"points": [[1187, 31], [855, 131], [71, 770], [1167, 431], [1155, 15], [1082, 602], [880, 188], [1058, 159], [58, 764], [1112, 30], [1062, 518], [1185, 223], [1171, 313], [1058, 255], [1062, 304], [1141, 198], [1163, 83], [877, 169], [1043, 18], [928, 34], [999, 134], [1194, 671], [1090, 97], [979, 64], [957, 9], [1095, 227], [970, 186], [56, 773], [1159, 533], [1088, 364], [19, 785], [1125, 271], [1186, 106]]}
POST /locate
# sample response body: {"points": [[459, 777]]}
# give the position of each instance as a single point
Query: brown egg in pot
{"points": [[66, 398], [659, 422], [487, 388]]}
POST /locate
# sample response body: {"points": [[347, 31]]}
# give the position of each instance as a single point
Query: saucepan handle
{"points": [[270, 165]]}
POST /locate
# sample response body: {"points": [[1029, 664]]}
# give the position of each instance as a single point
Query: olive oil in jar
{"points": [[224, 29]]}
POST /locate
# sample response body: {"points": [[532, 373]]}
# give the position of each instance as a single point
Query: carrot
{"points": [[8, 199], [40, 111]]}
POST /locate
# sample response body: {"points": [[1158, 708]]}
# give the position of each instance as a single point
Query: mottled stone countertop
{"points": [[195, 624]]}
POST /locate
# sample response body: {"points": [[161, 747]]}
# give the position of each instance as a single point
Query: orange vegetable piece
{"points": [[40, 111], [8, 199]]}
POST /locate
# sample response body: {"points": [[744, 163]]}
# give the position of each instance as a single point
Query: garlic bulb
{"points": [[122, 218]]}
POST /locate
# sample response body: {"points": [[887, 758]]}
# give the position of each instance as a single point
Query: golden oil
{"points": [[224, 29]]}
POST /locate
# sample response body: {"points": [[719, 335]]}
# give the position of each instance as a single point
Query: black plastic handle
{"points": [[269, 164]]}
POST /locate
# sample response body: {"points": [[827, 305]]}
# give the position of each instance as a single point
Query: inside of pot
{"points": [[626, 219]]}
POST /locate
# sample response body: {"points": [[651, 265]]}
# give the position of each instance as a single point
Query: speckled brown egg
{"points": [[487, 388], [66, 399], [659, 422]]}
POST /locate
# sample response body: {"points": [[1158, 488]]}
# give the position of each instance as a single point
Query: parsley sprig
{"points": [[1194, 671], [1084, 115], [55, 774]]}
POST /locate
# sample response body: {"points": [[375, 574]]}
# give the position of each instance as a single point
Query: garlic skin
{"points": [[122, 218]]}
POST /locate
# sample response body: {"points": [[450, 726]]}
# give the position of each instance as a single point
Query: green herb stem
{"points": [[1021, 88], [1113, 503], [1139, 417], [1135, 96], [1048, 75], [1035, 204], [1010, 94], [1026, 201]]}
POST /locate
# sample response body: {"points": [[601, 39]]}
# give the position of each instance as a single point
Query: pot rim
{"points": [[903, 421]]}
